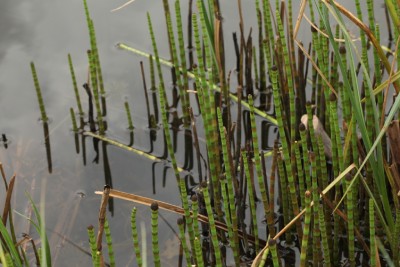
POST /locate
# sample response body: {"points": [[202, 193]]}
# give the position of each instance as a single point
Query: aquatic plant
{"points": [[333, 167]]}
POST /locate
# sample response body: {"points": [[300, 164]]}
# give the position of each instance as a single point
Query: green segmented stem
{"points": [[263, 81], [95, 90], [74, 125], [93, 247], [210, 103], [350, 222], [274, 252], [226, 201], [135, 238], [319, 44], [336, 231], [251, 197], [300, 172], [336, 131], [312, 134], [42, 108], [198, 252], [163, 104], [109, 243], [372, 242], [334, 74], [8, 259], [315, 194], [324, 236], [171, 37], [207, 24], [256, 80], [185, 85], [97, 59], [362, 34], [175, 62], [232, 219], [264, 257], [289, 79], [183, 240], [285, 197], [205, 109], [93, 45], [285, 147], [303, 137], [323, 167], [128, 148], [128, 115], [78, 99], [211, 221], [272, 177], [269, 35], [195, 213], [344, 96], [185, 205], [371, 18], [260, 177], [377, 70], [306, 231], [154, 234], [326, 225], [152, 74]]}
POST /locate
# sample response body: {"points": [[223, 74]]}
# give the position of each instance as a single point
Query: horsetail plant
{"points": [[251, 197], [74, 125], [306, 231], [77, 97], [128, 115], [109, 243], [92, 242], [182, 237], [42, 108], [213, 230], [231, 215], [135, 237], [154, 234]]}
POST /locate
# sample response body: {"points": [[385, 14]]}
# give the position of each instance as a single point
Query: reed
{"points": [[182, 237], [135, 237], [42, 108], [75, 86], [128, 115], [154, 234], [337, 154]]}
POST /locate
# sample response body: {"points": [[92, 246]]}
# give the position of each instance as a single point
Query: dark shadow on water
{"points": [[47, 145]]}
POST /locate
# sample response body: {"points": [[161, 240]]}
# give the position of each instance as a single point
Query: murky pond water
{"points": [[45, 32]]}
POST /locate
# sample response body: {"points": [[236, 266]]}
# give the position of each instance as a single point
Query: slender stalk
{"points": [[182, 237], [135, 238], [92, 242], [251, 197], [274, 252], [109, 244], [128, 115], [306, 231], [372, 243], [154, 234], [211, 220], [42, 108], [74, 125], [198, 252], [257, 161], [78, 99], [350, 223]]}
